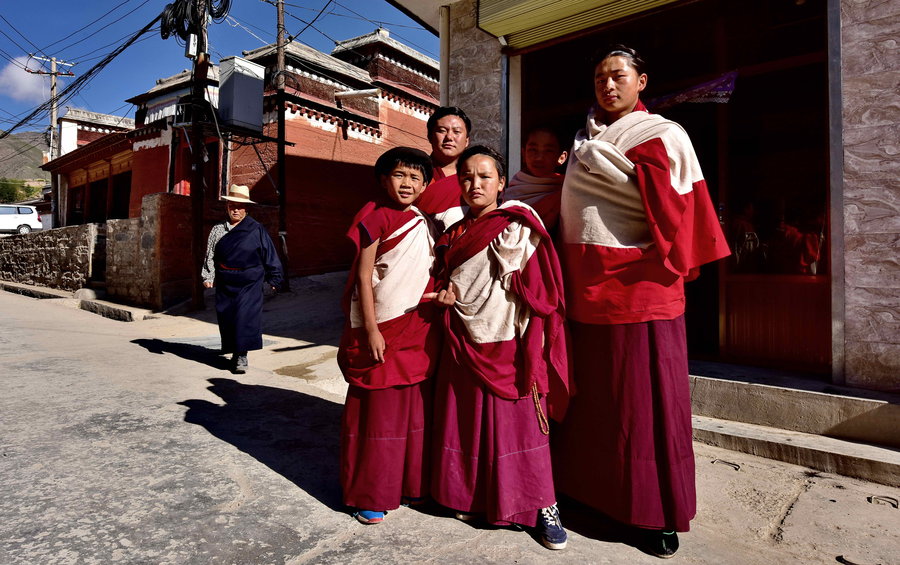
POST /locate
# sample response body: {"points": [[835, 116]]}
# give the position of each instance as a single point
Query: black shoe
{"points": [[550, 528], [661, 544]]}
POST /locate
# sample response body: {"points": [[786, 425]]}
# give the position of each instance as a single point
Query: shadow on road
{"points": [[189, 351], [590, 523], [294, 434], [310, 311]]}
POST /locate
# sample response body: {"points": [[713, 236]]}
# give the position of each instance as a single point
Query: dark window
{"points": [[26, 211]]}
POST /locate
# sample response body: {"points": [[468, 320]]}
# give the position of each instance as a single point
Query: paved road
{"points": [[130, 443]]}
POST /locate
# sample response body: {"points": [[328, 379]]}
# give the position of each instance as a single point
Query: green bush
{"points": [[14, 190]]}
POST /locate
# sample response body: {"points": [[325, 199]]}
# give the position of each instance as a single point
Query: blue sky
{"points": [[86, 33]]}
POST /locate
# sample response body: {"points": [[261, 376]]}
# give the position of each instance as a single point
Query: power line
{"points": [[20, 34], [243, 27], [78, 83], [85, 59], [28, 147], [413, 86], [84, 27], [12, 60], [86, 37], [381, 24], [311, 22], [357, 17]]}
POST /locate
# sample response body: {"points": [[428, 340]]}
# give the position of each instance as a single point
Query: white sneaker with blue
{"points": [[549, 526]]}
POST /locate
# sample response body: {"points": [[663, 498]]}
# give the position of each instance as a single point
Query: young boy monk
{"points": [[504, 366], [388, 349], [539, 183]]}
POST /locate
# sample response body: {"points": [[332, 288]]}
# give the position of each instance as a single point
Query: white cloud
{"points": [[21, 85]]}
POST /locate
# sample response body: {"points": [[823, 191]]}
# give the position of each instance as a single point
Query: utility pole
{"points": [[54, 138], [282, 132], [198, 147]]}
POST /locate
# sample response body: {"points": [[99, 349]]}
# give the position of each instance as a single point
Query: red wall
{"points": [[149, 174], [328, 178]]}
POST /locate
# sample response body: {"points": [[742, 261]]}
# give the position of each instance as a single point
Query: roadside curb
{"points": [[103, 308]]}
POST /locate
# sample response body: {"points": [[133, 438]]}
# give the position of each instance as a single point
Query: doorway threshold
{"points": [[784, 378]]}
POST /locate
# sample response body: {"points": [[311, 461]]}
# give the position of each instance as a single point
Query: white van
{"points": [[17, 218]]}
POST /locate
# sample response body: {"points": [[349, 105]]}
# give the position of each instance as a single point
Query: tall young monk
{"points": [[389, 347], [504, 367], [538, 184], [636, 222], [448, 131]]}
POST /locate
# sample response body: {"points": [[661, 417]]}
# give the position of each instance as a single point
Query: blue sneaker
{"points": [[369, 516], [549, 526]]}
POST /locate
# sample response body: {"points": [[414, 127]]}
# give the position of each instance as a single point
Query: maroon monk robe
{"points": [[502, 369], [385, 426]]}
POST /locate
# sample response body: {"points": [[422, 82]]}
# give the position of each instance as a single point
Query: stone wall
{"points": [[131, 262], [58, 258], [870, 61], [149, 258], [476, 75]]}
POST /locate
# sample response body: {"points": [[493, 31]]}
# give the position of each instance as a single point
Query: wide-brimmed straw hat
{"points": [[238, 193]]}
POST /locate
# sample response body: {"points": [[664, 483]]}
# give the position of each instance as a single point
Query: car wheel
{"points": [[24, 229]]}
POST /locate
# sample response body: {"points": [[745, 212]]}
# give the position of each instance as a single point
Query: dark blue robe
{"points": [[244, 258]]}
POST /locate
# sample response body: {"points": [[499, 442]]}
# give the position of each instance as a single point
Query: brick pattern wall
{"points": [[870, 66], [59, 258]]}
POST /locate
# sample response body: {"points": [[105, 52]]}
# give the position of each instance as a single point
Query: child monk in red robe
{"points": [[538, 184], [504, 366], [389, 348]]}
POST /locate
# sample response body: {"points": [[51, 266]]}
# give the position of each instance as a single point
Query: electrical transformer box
{"points": [[241, 93]]}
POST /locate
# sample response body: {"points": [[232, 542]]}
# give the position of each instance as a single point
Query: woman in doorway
{"points": [[636, 222], [240, 256]]}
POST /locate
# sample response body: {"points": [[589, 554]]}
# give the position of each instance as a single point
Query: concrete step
{"points": [[85, 299], [801, 405], [849, 458], [32, 291], [115, 311]]}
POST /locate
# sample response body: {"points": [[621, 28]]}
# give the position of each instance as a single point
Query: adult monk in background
{"points": [[448, 131], [636, 222]]}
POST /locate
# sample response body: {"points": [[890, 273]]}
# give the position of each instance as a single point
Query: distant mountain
{"points": [[21, 155]]}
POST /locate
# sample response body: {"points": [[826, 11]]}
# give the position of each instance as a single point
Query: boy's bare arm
{"points": [[365, 268]]}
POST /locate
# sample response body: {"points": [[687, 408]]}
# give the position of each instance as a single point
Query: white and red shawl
{"points": [[507, 325], [442, 201], [403, 265], [541, 193], [636, 220]]}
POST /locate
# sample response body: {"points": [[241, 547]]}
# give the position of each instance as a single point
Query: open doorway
{"points": [[764, 155]]}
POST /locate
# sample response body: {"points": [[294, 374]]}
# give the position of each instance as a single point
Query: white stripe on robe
{"points": [[401, 274]]}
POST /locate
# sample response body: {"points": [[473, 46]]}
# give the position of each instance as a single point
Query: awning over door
{"points": [[523, 23]]}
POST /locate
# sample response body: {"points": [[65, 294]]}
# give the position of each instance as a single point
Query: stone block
{"points": [[871, 209], [856, 11], [871, 156], [871, 99], [876, 321], [873, 365], [872, 261]]}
